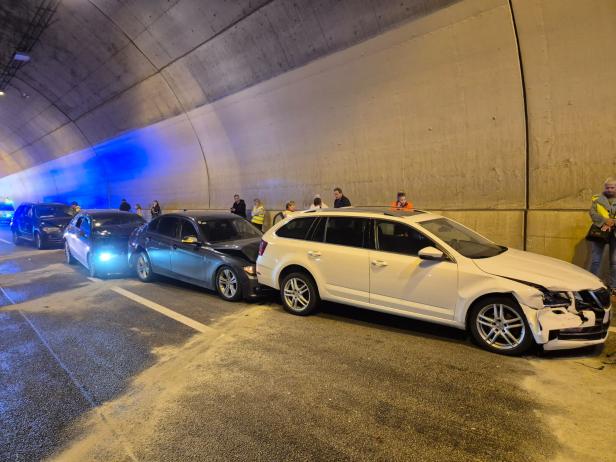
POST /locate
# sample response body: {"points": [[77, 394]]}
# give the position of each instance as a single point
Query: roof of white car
{"points": [[384, 212]]}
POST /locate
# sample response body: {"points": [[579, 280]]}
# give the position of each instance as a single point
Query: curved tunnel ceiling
{"points": [[103, 67]]}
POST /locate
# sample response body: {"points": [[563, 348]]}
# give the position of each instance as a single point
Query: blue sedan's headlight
{"points": [[105, 256]]}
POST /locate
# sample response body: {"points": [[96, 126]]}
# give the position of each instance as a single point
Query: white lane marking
{"points": [[5, 241], [163, 310], [82, 389], [7, 296]]}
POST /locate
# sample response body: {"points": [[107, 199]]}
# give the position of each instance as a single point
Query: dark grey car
{"points": [[212, 250]]}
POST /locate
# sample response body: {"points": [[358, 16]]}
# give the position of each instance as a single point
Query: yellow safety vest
{"points": [[601, 210], [259, 217]]}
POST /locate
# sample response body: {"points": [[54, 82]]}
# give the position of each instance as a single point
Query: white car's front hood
{"points": [[548, 272]]}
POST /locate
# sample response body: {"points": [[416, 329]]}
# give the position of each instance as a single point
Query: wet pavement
{"points": [[89, 374]]}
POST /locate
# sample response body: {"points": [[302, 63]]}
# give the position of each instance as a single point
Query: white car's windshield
{"points": [[463, 240]]}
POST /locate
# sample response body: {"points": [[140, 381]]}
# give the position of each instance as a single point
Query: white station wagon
{"points": [[425, 266]]}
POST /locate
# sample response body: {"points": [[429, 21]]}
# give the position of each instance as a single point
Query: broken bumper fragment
{"points": [[562, 328]]}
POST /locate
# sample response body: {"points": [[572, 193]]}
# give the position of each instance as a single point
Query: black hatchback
{"points": [[40, 223], [212, 250], [98, 239]]}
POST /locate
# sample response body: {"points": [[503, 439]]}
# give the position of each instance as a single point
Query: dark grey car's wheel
{"points": [[228, 284], [299, 294], [69, 256], [16, 239], [499, 325], [38, 241], [143, 267]]}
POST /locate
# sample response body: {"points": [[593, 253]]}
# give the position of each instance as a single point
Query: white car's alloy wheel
{"points": [[500, 326], [296, 294]]}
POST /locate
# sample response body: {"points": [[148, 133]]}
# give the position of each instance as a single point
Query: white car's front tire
{"points": [[499, 325]]}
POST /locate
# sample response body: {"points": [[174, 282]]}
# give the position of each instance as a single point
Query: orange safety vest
{"points": [[407, 206]]}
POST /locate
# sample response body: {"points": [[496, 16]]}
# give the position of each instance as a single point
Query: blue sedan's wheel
{"points": [[94, 273], [69, 256], [228, 284]]}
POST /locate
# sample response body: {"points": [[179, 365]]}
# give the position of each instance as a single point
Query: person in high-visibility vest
{"points": [[603, 214], [258, 214]]}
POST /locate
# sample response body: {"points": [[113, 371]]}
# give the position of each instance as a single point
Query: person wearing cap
{"points": [[401, 203], [75, 209]]}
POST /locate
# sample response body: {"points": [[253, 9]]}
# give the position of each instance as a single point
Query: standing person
{"points": [[290, 209], [75, 209], [155, 209], [603, 215], [318, 204], [239, 206], [124, 206], [139, 210], [340, 199], [258, 214], [401, 203]]}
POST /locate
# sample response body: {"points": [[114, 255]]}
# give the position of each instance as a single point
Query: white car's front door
{"points": [[399, 279]]}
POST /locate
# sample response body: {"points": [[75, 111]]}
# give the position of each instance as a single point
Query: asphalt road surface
{"points": [[118, 370]]}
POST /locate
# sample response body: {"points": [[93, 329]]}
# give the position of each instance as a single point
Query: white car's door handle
{"points": [[314, 253], [379, 263]]}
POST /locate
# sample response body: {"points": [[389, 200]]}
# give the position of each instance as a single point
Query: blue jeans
{"points": [[596, 254]]}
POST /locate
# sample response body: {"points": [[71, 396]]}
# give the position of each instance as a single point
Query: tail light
{"points": [[262, 247]]}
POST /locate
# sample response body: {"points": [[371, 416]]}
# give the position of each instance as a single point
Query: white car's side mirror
{"points": [[431, 253]]}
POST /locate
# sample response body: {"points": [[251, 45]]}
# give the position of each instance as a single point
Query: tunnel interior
{"points": [[497, 113]]}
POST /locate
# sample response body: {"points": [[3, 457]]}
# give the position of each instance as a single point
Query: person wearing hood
{"points": [[317, 203], [603, 215]]}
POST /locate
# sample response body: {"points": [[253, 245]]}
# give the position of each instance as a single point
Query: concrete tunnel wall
{"points": [[435, 107]]}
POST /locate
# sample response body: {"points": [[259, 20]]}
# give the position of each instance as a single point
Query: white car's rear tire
{"points": [[299, 294]]}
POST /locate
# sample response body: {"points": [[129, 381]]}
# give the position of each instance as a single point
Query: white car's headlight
{"points": [[555, 299]]}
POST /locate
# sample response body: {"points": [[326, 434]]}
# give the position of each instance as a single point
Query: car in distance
{"points": [[211, 250], [40, 223], [6, 212], [98, 239], [425, 266]]}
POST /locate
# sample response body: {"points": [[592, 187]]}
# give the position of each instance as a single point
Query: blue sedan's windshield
{"points": [[227, 229], [463, 240], [116, 219]]}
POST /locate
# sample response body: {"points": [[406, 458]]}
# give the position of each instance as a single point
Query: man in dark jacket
{"points": [[239, 206], [340, 199], [124, 206]]}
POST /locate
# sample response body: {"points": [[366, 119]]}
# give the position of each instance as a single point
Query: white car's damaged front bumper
{"points": [[562, 328]]}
